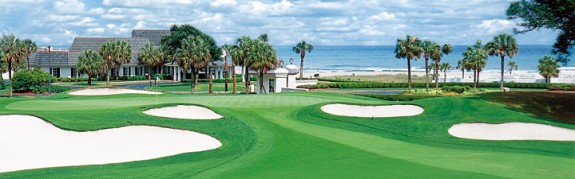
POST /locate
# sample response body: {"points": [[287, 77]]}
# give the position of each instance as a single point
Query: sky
{"points": [[318, 22]]}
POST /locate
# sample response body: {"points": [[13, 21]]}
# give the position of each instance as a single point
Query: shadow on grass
{"points": [[558, 107]]}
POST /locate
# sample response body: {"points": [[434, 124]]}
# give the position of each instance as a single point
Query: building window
{"points": [[55, 72], [125, 72], [137, 71], [73, 72]]}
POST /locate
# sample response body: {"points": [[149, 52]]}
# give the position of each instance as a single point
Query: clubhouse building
{"points": [[62, 63]]}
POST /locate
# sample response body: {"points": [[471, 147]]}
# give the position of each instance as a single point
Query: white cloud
{"points": [[147, 3], [382, 16], [98, 30], [69, 6], [220, 3], [495, 26], [140, 25]]}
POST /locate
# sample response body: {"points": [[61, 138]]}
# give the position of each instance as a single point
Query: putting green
{"points": [[288, 136]]}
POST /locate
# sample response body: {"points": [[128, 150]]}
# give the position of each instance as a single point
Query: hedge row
{"points": [[54, 89], [357, 84], [455, 89], [564, 87], [396, 97]]}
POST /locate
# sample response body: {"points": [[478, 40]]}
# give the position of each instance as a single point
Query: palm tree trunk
{"points": [[502, 66], [426, 75], [436, 73], [210, 77], [301, 68], [89, 79], [117, 72], [261, 82], [108, 76], [9, 76], [409, 75], [462, 73], [226, 75], [478, 71], [234, 78], [247, 78], [28, 60], [474, 79], [192, 79]]}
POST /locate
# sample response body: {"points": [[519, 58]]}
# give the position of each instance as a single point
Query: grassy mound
{"points": [[288, 136], [555, 106]]}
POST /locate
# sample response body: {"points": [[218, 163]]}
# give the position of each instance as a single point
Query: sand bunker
{"points": [[511, 131], [108, 91], [372, 111], [28, 142], [184, 112]]}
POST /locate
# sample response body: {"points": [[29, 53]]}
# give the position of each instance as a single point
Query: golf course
{"points": [[288, 135]]}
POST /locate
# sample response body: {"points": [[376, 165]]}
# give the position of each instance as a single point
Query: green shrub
{"points": [[561, 87], [340, 83], [24, 80], [55, 89], [2, 85], [455, 89], [396, 97]]}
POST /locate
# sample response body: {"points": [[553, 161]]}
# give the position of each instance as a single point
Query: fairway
{"points": [[288, 135]]}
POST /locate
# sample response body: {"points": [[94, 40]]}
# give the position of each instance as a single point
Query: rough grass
{"points": [[554, 106], [287, 136], [202, 87], [387, 78]]}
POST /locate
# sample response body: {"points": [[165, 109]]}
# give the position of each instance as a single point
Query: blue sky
{"points": [[327, 22]]}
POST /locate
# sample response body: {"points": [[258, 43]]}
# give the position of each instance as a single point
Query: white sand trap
{"points": [[109, 91], [27, 142], [184, 112], [372, 111], [511, 131]]}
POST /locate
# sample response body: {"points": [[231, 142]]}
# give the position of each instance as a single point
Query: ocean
{"points": [[378, 58]]}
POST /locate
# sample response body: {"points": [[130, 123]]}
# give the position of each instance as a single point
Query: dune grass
{"points": [[386, 78], [287, 136]]}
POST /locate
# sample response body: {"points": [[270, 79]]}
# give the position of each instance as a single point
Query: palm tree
{"points": [[408, 49], [461, 66], [436, 54], [263, 58], [107, 52], [13, 53], [300, 48], [149, 56], [196, 53], [244, 45], [431, 67], [30, 47], [548, 68], [237, 55], [427, 47], [502, 45], [89, 62], [123, 54], [512, 66], [476, 59], [444, 67]]}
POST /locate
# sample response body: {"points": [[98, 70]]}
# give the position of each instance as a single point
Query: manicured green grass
{"points": [[201, 88], [288, 136]]}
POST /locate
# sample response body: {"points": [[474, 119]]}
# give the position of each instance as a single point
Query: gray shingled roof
{"points": [[155, 36], [70, 58], [57, 58], [94, 43]]}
